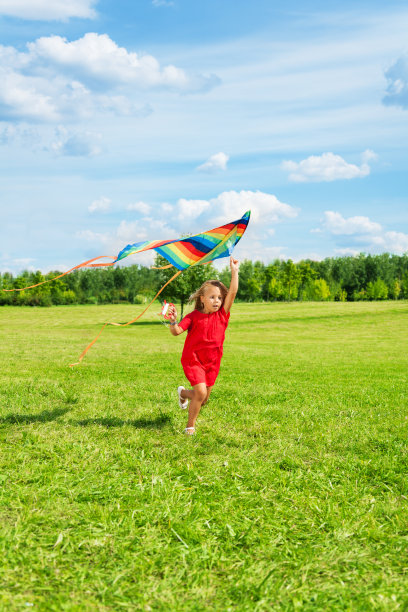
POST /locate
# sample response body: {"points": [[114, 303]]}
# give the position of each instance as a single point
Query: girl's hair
{"points": [[196, 296]]}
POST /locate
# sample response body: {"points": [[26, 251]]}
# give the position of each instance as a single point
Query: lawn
{"points": [[293, 494]]}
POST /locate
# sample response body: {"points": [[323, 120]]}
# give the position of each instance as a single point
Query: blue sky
{"points": [[145, 119]]}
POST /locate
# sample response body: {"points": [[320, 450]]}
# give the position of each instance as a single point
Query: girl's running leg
{"points": [[199, 395], [207, 397]]}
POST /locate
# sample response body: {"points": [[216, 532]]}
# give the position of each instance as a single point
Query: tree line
{"points": [[362, 277]]}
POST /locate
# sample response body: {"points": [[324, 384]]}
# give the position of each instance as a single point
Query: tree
{"points": [[291, 277], [377, 290], [317, 290]]}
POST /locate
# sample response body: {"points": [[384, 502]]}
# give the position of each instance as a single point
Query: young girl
{"points": [[202, 351]]}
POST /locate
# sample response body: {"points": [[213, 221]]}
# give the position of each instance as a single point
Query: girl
{"points": [[202, 351]]}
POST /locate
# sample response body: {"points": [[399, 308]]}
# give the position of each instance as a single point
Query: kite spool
{"points": [[165, 310]]}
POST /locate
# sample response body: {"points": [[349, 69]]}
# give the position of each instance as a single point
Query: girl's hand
{"points": [[234, 264], [172, 313]]}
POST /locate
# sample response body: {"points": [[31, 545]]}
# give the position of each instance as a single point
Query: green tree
{"points": [[317, 290], [377, 290], [291, 278], [396, 289], [275, 289]]}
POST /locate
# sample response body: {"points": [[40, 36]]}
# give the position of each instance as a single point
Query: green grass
{"points": [[293, 494]]}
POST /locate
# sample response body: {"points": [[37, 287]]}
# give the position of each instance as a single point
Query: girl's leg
{"points": [[189, 394], [199, 394], [207, 397]]}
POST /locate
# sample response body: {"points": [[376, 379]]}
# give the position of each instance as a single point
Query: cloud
{"points": [[140, 207], [216, 162], [190, 209], [162, 3], [335, 223], [97, 58], [81, 144], [265, 208], [56, 79], [230, 205], [327, 167], [101, 205], [397, 77], [361, 234], [369, 155], [166, 208], [45, 10], [347, 252], [98, 61], [129, 233], [396, 242], [25, 136]]}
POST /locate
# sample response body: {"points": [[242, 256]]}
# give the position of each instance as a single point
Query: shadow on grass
{"points": [[42, 417], [136, 323], [157, 423]]}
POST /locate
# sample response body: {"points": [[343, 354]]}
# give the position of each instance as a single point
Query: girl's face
{"points": [[212, 299]]}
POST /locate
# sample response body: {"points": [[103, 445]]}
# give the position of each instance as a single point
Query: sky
{"points": [[131, 120]]}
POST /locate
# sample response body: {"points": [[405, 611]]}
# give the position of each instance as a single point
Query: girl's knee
{"points": [[200, 394], [207, 395]]}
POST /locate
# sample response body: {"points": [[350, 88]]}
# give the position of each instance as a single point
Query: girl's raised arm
{"points": [[233, 288]]}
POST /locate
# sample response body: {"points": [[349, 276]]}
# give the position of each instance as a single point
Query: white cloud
{"points": [[265, 208], [129, 233], [20, 134], [98, 61], [216, 162], [395, 242], [335, 223], [101, 205], [327, 167], [368, 155], [166, 208], [162, 3], [56, 79], [258, 251], [397, 77], [347, 251], [23, 262], [47, 10], [81, 144], [98, 58], [195, 216], [140, 207], [190, 209], [362, 234]]}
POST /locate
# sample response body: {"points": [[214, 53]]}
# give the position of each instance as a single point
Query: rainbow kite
{"points": [[181, 254], [198, 249]]}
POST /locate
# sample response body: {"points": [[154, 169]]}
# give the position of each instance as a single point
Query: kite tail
{"points": [[84, 352], [88, 264]]}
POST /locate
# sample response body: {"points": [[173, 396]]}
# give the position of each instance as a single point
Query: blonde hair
{"points": [[196, 296]]}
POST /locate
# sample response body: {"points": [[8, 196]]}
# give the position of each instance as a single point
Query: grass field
{"points": [[292, 495]]}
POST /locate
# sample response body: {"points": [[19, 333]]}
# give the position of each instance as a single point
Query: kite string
{"points": [[81, 265], [84, 352]]}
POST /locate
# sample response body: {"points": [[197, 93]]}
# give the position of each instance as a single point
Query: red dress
{"points": [[201, 358]]}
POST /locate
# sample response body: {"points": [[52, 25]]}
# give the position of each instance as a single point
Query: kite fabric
{"points": [[198, 249], [180, 253]]}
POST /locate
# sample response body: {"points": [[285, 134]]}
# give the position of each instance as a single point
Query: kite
{"points": [[180, 253]]}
